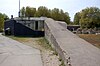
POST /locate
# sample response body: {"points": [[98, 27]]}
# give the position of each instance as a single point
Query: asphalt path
{"points": [[14, 53]]}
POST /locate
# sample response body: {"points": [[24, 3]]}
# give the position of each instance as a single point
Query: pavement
{"points": [[81, 52], [14, 53]]}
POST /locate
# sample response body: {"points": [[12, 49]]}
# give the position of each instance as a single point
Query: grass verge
{"points": [[20, 39], [44, 43]]}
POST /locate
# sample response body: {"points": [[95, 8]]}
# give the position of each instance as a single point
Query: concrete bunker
{"points": [[24, 27]]}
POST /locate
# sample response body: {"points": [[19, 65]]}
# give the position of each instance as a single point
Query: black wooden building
{"points": [[24, 27]]}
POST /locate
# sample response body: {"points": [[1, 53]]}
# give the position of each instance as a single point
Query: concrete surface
{"points": [[14, 53], [81, 52]]}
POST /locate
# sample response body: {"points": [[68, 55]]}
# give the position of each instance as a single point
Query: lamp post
{"points": [[19, 9]]}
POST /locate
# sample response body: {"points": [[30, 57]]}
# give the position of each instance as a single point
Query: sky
{"points": [[11, 7]]}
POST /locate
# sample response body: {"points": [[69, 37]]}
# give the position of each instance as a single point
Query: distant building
{"points": [[73, 27], [24, 26]]}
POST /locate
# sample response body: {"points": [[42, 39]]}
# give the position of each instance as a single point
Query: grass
{"points": [[62, 63], [91, 38], [44, 43], [55, 53], [41, 41], [20, 39]]}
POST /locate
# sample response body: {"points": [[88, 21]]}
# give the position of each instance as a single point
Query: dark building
{"points": [[73, 27], [24, 27]]}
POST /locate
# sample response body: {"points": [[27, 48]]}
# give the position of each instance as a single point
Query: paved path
{"points": [[81, 52], [13, 53]]}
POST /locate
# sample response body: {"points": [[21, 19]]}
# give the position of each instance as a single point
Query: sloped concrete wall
{"points": [[67, 44], [50, 32]]}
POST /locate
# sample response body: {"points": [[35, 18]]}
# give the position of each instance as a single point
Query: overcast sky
{"points": [[10, 7]]}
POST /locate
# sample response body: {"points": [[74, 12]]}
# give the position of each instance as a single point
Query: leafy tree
{"points": [[60, 15], [55, 14], [23, 12], [66, 18], [1, 22], [77, 18], [3, 17], [89, 17], [30, 12], [43, 11]]}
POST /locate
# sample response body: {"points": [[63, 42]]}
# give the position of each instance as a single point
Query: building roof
{"points": [[31, 18]]}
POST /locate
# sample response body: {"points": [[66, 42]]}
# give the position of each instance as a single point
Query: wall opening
{"points": [[36, 25]]}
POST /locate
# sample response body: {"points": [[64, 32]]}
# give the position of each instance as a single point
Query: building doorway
{"points": [[36, 25]]}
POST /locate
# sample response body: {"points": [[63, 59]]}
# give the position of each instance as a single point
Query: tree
{"points": [[1, 22], [43, 11], [66, 17], [30, 11], [3, 17], [77, 18], [55, 14], [89, 17], [23, 12], [60, 15]]}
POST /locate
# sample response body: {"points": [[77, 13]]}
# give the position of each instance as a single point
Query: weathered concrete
{"points": [[81, 52], [13, 53]]}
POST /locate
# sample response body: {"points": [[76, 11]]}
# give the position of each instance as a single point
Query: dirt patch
{"points": [[91, 38]]}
